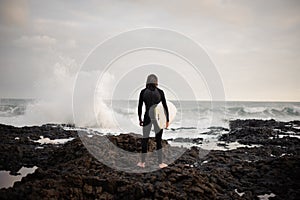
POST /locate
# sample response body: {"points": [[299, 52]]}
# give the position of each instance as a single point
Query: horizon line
{"points": [[202, 100]]}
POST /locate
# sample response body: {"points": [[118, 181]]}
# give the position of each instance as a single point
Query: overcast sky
{"points": [[255, 44]]}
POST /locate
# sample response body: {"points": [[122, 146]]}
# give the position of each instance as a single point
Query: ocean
{"points": [[193, 117]]}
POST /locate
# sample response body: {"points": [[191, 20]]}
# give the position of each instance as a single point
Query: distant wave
{"points": [[189, 116], [12, 110], [264, 111]]}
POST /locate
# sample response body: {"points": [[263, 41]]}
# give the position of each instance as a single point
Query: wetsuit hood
{"points": [[152, 79]]}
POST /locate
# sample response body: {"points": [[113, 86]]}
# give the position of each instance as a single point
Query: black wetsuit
{"points": [[151, 97]]}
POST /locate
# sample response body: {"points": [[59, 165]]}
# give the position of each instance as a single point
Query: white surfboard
{"points": [[160, 114]]}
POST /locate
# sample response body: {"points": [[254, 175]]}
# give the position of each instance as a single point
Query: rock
{"points": [[88, 189], [189, 140], [68, 171]]}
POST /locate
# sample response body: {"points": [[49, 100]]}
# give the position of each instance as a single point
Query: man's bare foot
{"points": [[141, 164], [163, 165]]}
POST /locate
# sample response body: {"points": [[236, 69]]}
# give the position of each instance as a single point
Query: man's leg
{"points": [[158, 137], [145, 139]]}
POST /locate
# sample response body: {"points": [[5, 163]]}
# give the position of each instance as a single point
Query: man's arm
{"points": [[140, 106], [164, 103]]}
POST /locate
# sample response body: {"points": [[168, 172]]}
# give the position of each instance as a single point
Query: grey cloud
{"points": [[14, 12], [241, 36], [35, 41]]}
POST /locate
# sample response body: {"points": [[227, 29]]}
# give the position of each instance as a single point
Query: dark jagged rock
{"points": [[190, 140], [69, 171], [262, 132], [270, 124]]}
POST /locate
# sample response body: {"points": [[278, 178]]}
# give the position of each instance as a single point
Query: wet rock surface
{"points": [[69, 171], [190, 140]]}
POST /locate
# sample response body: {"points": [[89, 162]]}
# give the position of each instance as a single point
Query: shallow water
{"points": [[7, 180]]}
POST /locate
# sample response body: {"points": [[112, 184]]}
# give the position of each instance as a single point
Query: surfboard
{"points": [[160, 114]]}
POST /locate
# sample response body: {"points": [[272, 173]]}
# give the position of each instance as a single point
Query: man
{"points": [[151, 96]]}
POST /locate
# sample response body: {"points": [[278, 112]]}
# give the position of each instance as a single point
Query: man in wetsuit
{"points": [[151, 96]]}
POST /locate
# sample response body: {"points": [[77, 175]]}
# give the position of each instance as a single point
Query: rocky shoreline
{"points": [[68, 171]]}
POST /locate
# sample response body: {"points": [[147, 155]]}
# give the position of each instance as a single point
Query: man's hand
{"points": [[167, 124], [141, 123]]}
